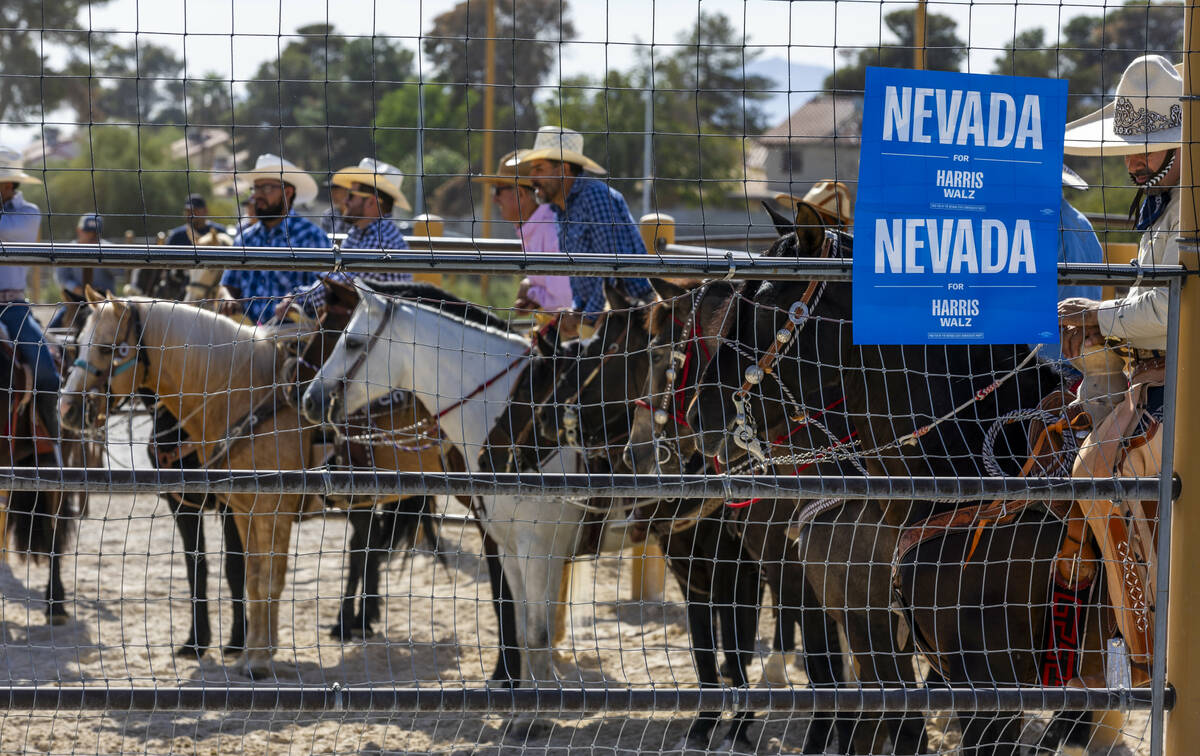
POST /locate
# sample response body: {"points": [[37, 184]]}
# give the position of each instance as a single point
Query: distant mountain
{"points": [[794, 85]]}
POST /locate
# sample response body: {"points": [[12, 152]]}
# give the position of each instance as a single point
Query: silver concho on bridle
{"points": [[745, 431]]}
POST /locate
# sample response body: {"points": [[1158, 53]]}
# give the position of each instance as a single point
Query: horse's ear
{"points": [[810, 228], [616, 297], [93, 296], [783, 224], [543, 342], [338, 292], [665, 289]]}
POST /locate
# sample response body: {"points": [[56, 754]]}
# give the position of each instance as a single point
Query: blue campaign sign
{"points": [[956, 221]]}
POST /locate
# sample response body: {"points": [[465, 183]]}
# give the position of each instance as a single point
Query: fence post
{"points": [[1183, 609], [655, 226], [428, 224]]}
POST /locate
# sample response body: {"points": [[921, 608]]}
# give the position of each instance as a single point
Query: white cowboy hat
{"points": [[1145, 115], [829, 198], [12, 167], [270, 166], [384, 177], [557, 143], [507, 174]]}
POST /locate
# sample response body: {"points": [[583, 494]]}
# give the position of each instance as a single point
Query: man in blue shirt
{"points": [[195, 212], [372, 191], [1077, 243], [21, 222], [591, 216], [278, 187]]}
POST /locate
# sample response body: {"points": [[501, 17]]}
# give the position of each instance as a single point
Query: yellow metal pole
{"points": [[919, 37], [1183, 613], [489, 109], [489, 124]]}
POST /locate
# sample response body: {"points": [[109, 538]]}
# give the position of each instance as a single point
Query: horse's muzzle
{"points": [[321, 404]]}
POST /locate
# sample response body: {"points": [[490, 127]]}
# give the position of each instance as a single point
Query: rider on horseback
{"points": [[20, 222], [1144, 125]]}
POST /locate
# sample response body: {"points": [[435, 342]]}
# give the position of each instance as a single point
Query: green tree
{"points": [[447, 143], [125, 174], [707, 74], [315, 104], [33, 29], [529, 38], [944, 50]]}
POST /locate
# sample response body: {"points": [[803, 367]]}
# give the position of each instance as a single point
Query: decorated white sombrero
{"points": [[386, 178], [557, 143], [1146, 114], [270, 166], [12, 167], [830, 198]]}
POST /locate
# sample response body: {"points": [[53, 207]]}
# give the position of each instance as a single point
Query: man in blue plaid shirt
{"points": [[591, 216], [278, 187], [370, 198]]}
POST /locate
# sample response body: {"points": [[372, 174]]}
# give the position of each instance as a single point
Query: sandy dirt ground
{"points": [[129, 612]]}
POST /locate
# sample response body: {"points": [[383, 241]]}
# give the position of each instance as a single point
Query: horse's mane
{"points": [[658, 316], [432, 295]]}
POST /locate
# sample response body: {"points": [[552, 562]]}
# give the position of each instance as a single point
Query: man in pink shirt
{"points": [[514, 197]]}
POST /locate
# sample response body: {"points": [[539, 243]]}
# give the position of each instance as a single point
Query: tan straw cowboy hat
{"points": [[557, 143], [386, 178], [1145, 115], [12, 167], [270, 166], [507, 175], [829, 198]]}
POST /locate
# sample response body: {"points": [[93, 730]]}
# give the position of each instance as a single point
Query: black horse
{"points": [[891, 392]]}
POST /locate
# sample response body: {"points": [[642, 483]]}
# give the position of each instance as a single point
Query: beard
{"points": [[263, 210]]}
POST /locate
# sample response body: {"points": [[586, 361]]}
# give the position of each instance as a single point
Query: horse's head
{"points": [[512, 444], [354, 375], [734, 394], [589, 408], [685, 329], [106, 370]]}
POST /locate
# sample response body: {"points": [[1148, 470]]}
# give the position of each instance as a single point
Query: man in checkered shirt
{"points": [[278, 187], [373, 191], [592, 217]]}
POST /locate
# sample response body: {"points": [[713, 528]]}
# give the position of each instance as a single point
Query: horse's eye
{"points": [[354, 343], [124, 351], [103, 349]]}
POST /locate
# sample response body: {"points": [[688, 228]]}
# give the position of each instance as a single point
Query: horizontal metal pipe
{"points": [[593, 701], [470, 259], [368, 482]]}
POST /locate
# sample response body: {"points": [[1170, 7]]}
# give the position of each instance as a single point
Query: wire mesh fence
{"points": [[416, 437]]}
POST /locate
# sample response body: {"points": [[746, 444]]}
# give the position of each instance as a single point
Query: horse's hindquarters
{"points": [[978, 597]]}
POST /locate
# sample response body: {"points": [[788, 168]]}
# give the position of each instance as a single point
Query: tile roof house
{"points": [[819, 140]]}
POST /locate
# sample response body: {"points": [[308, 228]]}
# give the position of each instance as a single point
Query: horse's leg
{"points": [[235, 577], [189, 523], [704, 655], [268, 539], [362, 522], [56, 594], [384, 538], [742, 614], [508, 661], [991, 734]]}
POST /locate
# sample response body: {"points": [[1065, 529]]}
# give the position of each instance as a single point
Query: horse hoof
{"points": [[191, 651], [528, 729]]}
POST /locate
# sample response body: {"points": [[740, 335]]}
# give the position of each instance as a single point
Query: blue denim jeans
{"points": [[31, 345]]}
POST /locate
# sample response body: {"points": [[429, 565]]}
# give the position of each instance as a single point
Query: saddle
{"points": [[1121, 440], [20, 402]]}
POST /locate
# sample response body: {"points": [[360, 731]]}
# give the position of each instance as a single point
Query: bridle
{"points": [[573, 408], [126, 347], [679, 370], [745, 431]]}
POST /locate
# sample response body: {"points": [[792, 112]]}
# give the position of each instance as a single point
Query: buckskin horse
{"points": [[976, 597]]}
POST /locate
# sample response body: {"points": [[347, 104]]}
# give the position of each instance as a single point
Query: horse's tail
{"points": [[409, 519], [39, 523]]}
